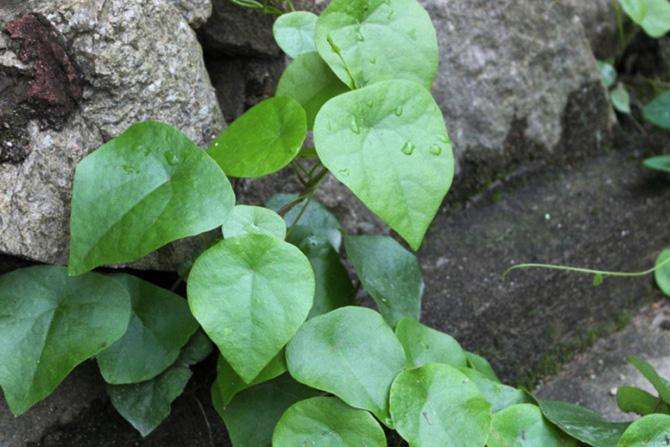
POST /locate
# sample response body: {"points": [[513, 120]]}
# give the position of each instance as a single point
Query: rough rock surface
{"points": [[196, 12], [101, 65], [599, 20]]}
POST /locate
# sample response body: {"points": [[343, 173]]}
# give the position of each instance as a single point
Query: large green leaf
{"points": [[389, 145], [650, 431], [524, 426], [662, 275], [50, 323], [253, 414], [389, 273], [660, 163], [583, 424], [350, 352], [659, 383], [658, 111], [436, 405], [367, 41], [251, 294], [263, 140], [500, 396], [327, 422], [145, 188], [160, 325], [145, 405], [294, 32], [635, 400], [333, 286], [480, 364], [652, 15], [425, 345], [254, 220]]}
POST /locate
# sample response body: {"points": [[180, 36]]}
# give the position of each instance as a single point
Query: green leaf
{"points": [[311, 82], [437, 405], [160, 325], [658, 111], [50, 323], [662, 275], [254, 220], [650, 431], [333, 286], [620, 99], [389, 145], [147, 404], [424, 345], [583, 424], [523, 425], [652, 15], [294, 32], [608, 73], [316, 217], [498, 395], [251, 294], [263, 140], [389, 273], [634, 400], [648, 371], [253, 414], [145, 188], [229, 384], [367, 41], [660, 163], [480, 364], [326, 421], [350, 352]]}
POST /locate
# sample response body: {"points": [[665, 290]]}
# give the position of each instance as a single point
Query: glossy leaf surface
{"points": [[295, 31], [500, 396], [650, 431], [524, 426], [245, 219], [425, 345]]}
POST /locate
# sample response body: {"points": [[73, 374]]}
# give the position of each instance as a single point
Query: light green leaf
{"points": [[251, 294], [309, 81], [657, 112], [480, 364], [652, 15], [333, 286], [254, 220], [583, 424], [263, 140], [50, 323], [350, 352], [662, 275], [620, 99], [294, 32], [145, 188], [437, 405], [160, 325], [523, 426], [649, 373], [650, 431], [425, 345], [253, 414], [660, 163], [498, 395], [608, 73], [389, 273], [229, 384], [634, 400], [327, 422], [367, 41], [389, 145]]}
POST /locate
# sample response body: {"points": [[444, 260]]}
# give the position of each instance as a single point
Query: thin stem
{"points": [[310, 187], [204, 416], [587, 271], [300, 214], [619, 24]]}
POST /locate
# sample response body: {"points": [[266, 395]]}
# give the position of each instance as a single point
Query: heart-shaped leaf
{"points": [[50, 323], [523, 425], [650, 431], [635, 400], [229, 384], [294, 32], [327, 421], [662, 274], [160, 325], [350, 352], [389, 145], [254, 220], [424, 345], [500, 396], [436, 405], [481, 365], [145, 188], [652, 15], [263, 140], [367, 41], [238, 292]]}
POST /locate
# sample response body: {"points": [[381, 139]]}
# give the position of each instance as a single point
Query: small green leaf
{"points": [[294, 32], [598, 279], [652, 15], [437, 405], [253, 414], [650, 431], [367, 41], [658, 111], [263, 140], [523, 425], [660, 163], [621, 99], [229, 384], [254, 220], [251, 294], [350, 352], [648, 371], [50, 323], [389, 145], [327, 421], [662, 275], [498, 395], [389, 273], [160, 325], [607, 73], [634, 400], [480, 364], [145, 188], [424, 345], [583, 424], [309, 81]]}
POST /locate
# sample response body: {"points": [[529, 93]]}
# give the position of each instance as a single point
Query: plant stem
{"points": [[310, 187]]}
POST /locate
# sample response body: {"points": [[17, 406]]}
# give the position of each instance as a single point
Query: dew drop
{"points": [[445, 139], [373, 60], [359, 36], [355, 127], [370, 103], [408, 148], [171, 158], [391, 14], [436, 150], [398, 111]]}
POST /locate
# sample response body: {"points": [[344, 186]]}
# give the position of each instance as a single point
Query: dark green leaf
{"points": [[145, 188], [523, 426], [498, 395], [254, 220], [658, 111], [635, 400], [481, 365], [660, 163], [662, 275], [424, 345], [294, 32], [648, 371], [229, 384], [650, 431]]}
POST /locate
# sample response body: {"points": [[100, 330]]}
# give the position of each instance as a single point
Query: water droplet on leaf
{"points": [[436, 150], [359, 36], [355, 127], [373, 60], [398, 111], [408, 148], [370, 103]]}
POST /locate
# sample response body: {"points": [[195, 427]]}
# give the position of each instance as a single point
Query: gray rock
{"points": [[599, 20], [196, 12], [98, 66]]}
